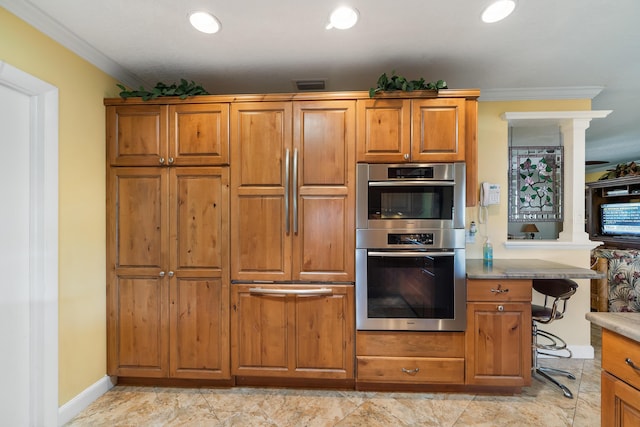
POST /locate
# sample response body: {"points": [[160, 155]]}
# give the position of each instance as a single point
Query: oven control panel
{"points": [[410, 239]]}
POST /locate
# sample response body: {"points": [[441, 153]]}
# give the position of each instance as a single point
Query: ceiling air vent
{"points": [[306, 85]]}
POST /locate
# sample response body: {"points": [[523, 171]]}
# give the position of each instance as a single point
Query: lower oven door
{"points": [[410, 290]]}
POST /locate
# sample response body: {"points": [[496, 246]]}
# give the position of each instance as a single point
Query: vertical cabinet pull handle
{"points": [[295, 191], [286, 192]]}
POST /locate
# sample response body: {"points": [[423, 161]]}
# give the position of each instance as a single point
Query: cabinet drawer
{"points": [[410, 344], [499, 290], [411, 369], [616, 350]]}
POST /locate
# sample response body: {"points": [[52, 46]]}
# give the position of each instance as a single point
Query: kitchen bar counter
{"points": [[527, 269], [625, 324]]}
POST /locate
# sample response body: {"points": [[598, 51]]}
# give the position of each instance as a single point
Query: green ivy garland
{"points": [[183, 90], [395, 82]]}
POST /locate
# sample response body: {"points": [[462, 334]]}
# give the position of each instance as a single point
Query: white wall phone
{"points": [[489, 194]]}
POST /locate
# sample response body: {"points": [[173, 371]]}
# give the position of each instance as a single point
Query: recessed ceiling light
{"points": [[343, 18], [498, 10], [205, 22]]}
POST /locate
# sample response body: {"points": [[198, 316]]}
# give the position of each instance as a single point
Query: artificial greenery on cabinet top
{"points": [[395, 82], [184, 90]]}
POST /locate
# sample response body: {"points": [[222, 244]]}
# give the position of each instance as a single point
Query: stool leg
{"points": [[567, 393]]}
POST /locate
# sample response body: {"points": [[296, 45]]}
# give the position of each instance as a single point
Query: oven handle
{"points": [[312, 292], [410, 254], [399, 183]]}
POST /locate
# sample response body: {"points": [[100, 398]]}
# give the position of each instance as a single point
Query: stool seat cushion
{"points": [[541, 313], [556, 288]]}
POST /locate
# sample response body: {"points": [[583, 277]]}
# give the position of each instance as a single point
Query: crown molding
{"points": [[541, 93], [35, 17]]}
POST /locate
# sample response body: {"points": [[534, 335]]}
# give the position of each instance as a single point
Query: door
{"points": [[498, 340], [29, 248], [439, 130], [384, 129], [198, 134], [137, 274], [199, 273], [261, 196], [323, 191]]}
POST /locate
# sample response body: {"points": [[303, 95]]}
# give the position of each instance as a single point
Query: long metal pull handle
{"points": [[411, 371], [629, 362], [321, 291], [287, 219], [410, 254], [295, 191], [396, 183]]}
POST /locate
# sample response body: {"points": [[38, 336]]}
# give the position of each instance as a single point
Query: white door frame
{"points": [[43, 242]]}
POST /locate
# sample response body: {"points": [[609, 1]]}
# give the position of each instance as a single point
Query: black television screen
{"points": [[620, 219]]}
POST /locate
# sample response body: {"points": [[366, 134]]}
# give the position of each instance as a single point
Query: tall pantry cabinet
{"points": [[167, 241], [293, 204]]}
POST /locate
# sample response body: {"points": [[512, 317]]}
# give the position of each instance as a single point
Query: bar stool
{"points": [[556, 293]]}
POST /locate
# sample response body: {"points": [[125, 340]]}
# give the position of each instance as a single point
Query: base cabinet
{"points": [[410, 357], [498, 336], [620, 386], [292, 331]]}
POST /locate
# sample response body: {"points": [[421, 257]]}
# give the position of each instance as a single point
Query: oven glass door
{"points": [[410, 200], [410, 290]]}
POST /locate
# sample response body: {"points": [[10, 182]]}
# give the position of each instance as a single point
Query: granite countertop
{"points": [[626, 324], [527, 269]]}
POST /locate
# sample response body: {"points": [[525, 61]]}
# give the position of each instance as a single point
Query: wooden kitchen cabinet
{"points": [[293, 191], [293, 331], [411, 130], [399, 130], [409, 357], [620, 386], [168, 276], [498, 335], [178, 135]]}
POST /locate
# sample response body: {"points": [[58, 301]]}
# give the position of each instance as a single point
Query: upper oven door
{"points": [[410, 196]]}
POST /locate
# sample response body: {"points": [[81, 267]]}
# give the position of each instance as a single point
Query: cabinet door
{"points": [[324, 334], [439, 130], [323, 191], [620, 403], [277, 332], [384, 130], [260, 195], [199, 134], [137, 135], [498, 340], [199, 276], [137, 286], [259, 332]]}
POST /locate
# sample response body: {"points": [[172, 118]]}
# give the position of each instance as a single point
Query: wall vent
{"points": [[307, 85]]}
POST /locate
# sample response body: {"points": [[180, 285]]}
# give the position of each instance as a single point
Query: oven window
{"points": [[410, 287], [411, 202]]}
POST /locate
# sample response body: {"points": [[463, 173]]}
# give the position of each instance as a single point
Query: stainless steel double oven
{"points": [[410, 247]]}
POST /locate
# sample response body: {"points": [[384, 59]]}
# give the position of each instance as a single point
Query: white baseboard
{"points": [[578, 351], [76, 405]]}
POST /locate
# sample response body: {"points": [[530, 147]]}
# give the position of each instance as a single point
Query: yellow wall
{"points": [[493, 167], [82, 87]]}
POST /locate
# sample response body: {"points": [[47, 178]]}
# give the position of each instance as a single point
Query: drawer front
{"points": [[410, 344], [411, 369], [619, 356], [499, 290]]}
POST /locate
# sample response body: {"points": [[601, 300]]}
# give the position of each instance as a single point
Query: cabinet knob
{"points": [[161, 160], [161, 274], [501, 308], [171, 160], [406, 157], [171, 274]]}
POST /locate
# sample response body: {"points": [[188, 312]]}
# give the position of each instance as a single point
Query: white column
{"points": [[573, 137]]}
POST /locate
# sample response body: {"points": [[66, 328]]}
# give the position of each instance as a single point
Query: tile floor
{"points": [[538, 405]]}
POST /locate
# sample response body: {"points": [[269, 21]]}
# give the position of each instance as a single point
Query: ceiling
{"points": [[545, 49]]}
